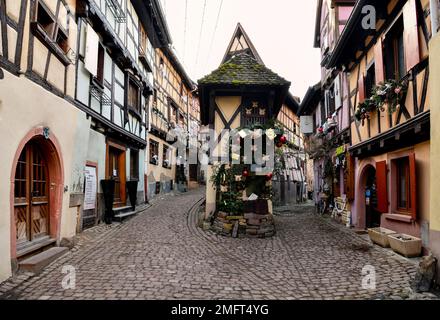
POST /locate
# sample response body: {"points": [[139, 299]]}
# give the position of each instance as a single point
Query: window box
{"points": [[406, 245], [380, 236]]}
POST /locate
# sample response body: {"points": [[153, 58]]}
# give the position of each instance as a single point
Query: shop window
{"points": [[394, 51], [134, 164], [166, 157], [154, 152]]}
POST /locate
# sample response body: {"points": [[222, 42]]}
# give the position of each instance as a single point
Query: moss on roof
{"points": [[242, 69]]}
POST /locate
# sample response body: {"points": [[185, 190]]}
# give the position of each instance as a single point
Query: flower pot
{"points": [[406, 245], [380, 236], [108, 189], [132, 192]]}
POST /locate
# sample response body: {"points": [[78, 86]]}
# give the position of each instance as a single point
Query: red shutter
{"points": [[350, 183], [361, 86], [378, 61], [411, 34], [413, 185], [381, 186]]}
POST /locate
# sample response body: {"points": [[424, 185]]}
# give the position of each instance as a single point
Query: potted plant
{"points": [[108, 189], [132, 192], [406, 245], [380, 236]]}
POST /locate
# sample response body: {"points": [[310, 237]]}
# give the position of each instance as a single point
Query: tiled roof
{"points": [[242, 69]]}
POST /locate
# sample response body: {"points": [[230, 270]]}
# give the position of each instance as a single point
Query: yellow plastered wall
{"points": [[435, 131], [228, 106]]}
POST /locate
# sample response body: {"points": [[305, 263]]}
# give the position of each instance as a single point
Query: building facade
{"points": [[88, 69], [325, 111], [37, 94], [390, 137], [291, 185], [174, 112]]}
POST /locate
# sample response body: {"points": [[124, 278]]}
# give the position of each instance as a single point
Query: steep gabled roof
{"points": [[242, 69], [241, 43], [311, 100]]}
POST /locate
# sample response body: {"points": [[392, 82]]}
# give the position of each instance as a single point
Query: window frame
{"points": [[403, 163], [132, 83], [134, 174], [49, 36], [391, 50], [153, 144], [166, 156]]}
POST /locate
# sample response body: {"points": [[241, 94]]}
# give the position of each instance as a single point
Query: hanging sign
{"points": [[340, 150], [90, 188]]}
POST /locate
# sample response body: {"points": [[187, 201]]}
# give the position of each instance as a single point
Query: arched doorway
{"points": [[36, 193], [372, 217], [368, 198]]}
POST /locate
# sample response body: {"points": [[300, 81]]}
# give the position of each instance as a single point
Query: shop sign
{"points": [[340, 150]]}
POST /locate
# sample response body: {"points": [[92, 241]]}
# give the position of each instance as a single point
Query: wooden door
{"points": [[116, 171], [31, 195]]}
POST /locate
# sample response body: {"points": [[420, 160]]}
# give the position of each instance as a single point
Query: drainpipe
{"points": [[434, 7]]}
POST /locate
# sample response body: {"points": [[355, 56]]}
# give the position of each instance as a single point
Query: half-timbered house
{"points": [[115, 67], [42, 132], [174, 112], [291, 184], [434, 70], [388, 74], [325, 107]]}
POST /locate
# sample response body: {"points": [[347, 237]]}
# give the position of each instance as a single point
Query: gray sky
{"points": [[281, 30]]}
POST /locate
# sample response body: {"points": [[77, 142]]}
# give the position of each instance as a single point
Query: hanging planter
{"points": [[392, 93]]}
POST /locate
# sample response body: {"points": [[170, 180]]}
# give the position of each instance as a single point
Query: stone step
{"points": [[121, 209], [123, 215], [39, 261]]}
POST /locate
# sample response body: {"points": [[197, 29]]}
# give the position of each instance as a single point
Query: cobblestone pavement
{"points": [[161, 254]]}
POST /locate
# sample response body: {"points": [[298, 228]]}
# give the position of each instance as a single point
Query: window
{"points": [[134, 164], [394, 51], [370, 80], [154, 152], [45, 19], [133, 96], [62, 41], [142, 39], [49, 31], [166, 157], [100, 70], [331, 101], [174, 115], [403, 184]]}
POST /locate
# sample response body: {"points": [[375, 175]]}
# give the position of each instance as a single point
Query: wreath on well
{"points": [[231, 180]]}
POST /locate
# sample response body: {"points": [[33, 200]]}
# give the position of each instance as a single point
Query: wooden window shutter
{"points": [[350, 178], [378, 61], [411, 34], [92, 48], [361, 85], [413, 185], [381, 186]]}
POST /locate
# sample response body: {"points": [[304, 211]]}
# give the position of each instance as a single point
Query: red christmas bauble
{"points": [[283, 139], [245, 173], [279, 145], [269, 176]]}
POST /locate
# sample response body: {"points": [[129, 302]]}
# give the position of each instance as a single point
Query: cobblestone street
{"points": [[161, 254]]}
